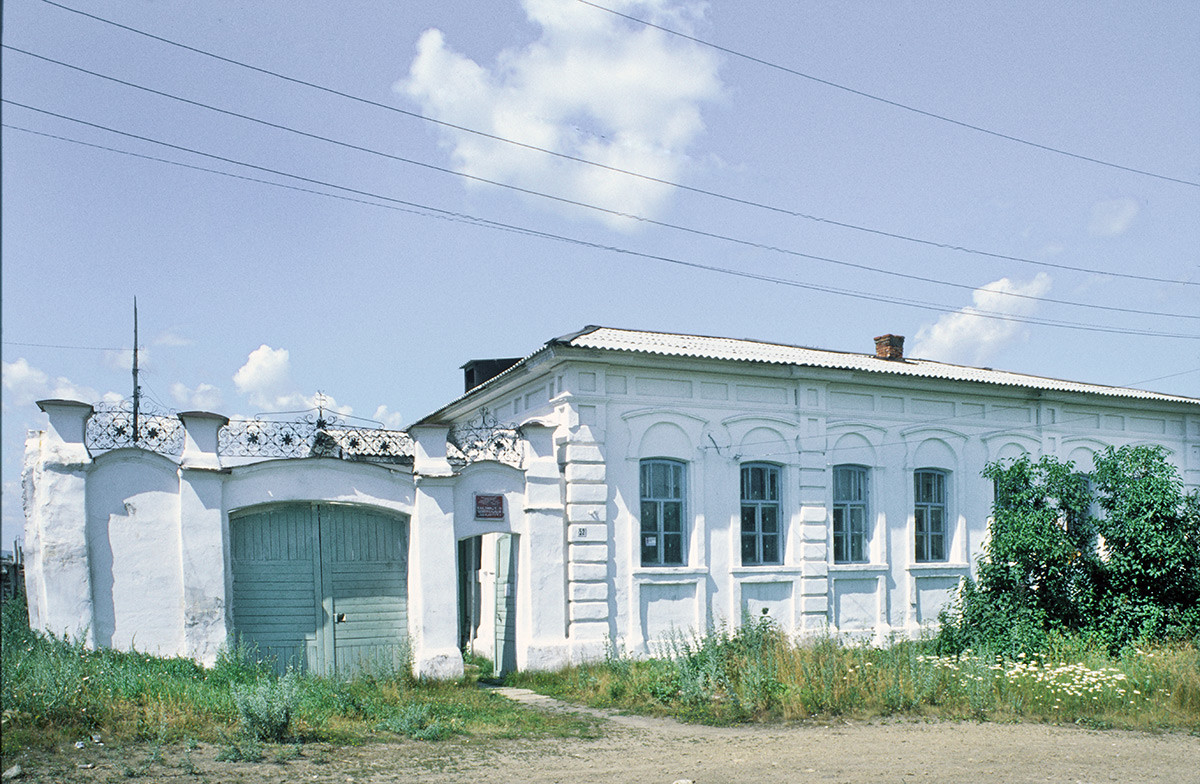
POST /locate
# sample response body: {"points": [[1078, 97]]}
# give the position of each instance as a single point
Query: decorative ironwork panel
{"points": [[112, 427], [355, 443], [267, 438], [317, 435], [486, 438]]}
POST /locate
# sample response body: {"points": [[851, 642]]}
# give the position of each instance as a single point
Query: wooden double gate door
{"points": [[321, 587]]}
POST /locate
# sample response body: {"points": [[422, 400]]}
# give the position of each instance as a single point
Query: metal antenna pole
{"points": [[137, 390]]}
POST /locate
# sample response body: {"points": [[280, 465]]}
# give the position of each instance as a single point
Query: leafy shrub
{"points": [[1129, 575], [417, 721], [266, 707], [1151, 530], [246, 749]]}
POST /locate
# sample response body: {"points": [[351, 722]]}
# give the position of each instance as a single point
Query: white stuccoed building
{"points": [[613, 488]]}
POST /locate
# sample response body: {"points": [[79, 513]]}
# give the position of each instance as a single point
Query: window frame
{"points": [[661, 507], [925, 510], [846, 507], [758, 507]]}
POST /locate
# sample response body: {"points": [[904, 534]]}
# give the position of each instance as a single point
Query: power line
{"points": [[597, 208], [1160, 378], [617, 249], [57, 345], [448, 216], [648, 178], [888, 101]]}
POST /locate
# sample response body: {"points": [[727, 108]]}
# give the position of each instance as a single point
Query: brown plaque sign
{"points": [[489, 507]]}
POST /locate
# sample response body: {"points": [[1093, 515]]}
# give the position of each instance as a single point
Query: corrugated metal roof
{"points": [[740, 350]]}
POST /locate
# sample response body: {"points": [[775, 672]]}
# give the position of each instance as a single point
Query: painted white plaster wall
{"points": [[104, 534], [489, 478], [320, 479], [136, 566], [57, 578], [432, 578], [613, 411], [131, 549], [56, 552], [203, 545]]}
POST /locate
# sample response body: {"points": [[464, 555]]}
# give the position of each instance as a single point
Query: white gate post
{"points": [[432, 559], [202, 528], [543, 554], [58, 567]]}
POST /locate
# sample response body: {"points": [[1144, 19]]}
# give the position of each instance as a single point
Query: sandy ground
{"points": [[638, 749]]}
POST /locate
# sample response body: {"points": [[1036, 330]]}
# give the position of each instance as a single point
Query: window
{"points": [[850, 535], [929, 492], [662, 513], [760, 514]]}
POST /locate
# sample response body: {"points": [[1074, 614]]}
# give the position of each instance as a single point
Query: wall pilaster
{"points": [[544, 552], [589, 540], [203, 526], [58, 579]]}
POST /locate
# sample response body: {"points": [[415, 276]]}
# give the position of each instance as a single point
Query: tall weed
{"points": [[756, 673], [266, 707], [55, 691]]}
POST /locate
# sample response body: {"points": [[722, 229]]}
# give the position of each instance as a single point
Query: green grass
{"points": [[757, 674], [55, 692]]}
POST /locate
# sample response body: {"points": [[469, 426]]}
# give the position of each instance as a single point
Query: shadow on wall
{"points": [[140, 531]]}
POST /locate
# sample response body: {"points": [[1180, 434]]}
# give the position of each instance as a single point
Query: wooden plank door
{"points": [[321, 587], [365, 575], [277, 584], [506, 604]]}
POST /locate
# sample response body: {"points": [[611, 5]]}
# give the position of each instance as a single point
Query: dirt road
{"points": [[656, 751]]}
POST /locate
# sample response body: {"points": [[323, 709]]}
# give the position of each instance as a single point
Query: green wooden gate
{"points": [[321, 587], [506, 604]]}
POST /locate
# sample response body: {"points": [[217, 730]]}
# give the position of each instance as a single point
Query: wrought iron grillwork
{"points": [[319, 434], [486, 438], [267, 438], [356, 443], [111, 427]]}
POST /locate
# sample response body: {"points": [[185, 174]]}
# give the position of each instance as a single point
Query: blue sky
{"points": [[252, 297]]}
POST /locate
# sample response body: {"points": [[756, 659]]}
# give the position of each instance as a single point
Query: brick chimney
{"points": [[889, 347]]}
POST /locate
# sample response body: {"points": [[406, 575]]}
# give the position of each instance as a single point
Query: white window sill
{"points": [[766, 570], [652, 573], [939, 567], [859, 567]]}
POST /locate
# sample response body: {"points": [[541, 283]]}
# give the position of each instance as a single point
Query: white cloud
{"points": [[173, 339], [966, 337], [122, 359], [24, 384], [1113, 217], [266, 380], [204, 397], [265, 377], [591, 86], [392, 420]]}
